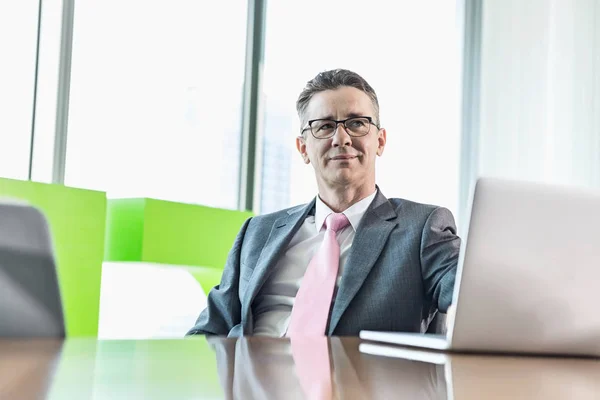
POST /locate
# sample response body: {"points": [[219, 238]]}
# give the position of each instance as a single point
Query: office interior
{"points": [[135, 125]]}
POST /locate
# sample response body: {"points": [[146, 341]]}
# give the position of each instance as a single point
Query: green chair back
{"points": [[157, 231], [77, 220]]}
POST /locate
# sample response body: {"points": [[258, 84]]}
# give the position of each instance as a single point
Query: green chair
{"points": [[196, 238], [207, 277], [77, 220]]}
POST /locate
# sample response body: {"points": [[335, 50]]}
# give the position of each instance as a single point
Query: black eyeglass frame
{"points": [[337, 122]]}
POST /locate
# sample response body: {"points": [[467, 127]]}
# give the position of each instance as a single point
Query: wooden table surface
{"points": [[264, 368]]}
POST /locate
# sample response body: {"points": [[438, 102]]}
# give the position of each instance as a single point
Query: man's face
{"points": [[342, 160]]}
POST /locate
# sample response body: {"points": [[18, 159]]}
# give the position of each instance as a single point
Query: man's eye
{"points": [[326, 127], [356, 124]]}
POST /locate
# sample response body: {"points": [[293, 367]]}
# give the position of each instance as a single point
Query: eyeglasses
{"points": [[325, 128]]}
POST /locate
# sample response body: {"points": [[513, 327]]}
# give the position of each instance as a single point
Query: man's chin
{"points": [[344, 176]]}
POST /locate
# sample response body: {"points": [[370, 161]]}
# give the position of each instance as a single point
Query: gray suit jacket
{"points": [[400, 270]]}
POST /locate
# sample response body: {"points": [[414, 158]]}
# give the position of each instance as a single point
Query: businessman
{"points": [[349, 260]]}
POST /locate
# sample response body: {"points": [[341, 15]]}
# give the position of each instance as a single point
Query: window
{"points": [[409, 52], [540, 91], [47, 91], [18, 41], [155, 103]]}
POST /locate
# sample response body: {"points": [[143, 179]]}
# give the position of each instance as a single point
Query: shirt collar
{"points": [[354, 213]]}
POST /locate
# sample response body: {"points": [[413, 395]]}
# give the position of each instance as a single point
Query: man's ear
{"points": [[381, 138], [301, 146]]}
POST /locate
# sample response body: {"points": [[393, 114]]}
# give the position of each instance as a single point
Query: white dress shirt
{"points": [[275, 300]]}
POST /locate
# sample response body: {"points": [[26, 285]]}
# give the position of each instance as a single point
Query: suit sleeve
{"points": [[440, 247], [223, 310]]}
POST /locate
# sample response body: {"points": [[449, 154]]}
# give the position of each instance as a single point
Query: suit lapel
{"points": [[368, 243], [282, 232]]}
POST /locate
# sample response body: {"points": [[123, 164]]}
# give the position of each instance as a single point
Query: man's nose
{"points": [[341, 136]]}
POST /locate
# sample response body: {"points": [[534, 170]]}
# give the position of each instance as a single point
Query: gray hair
{"points": [[331, 80]]}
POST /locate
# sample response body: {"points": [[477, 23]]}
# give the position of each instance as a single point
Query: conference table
{"points": [[270, 368]]}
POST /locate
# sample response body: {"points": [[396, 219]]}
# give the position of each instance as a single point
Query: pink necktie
{"points": [[313, 300]]}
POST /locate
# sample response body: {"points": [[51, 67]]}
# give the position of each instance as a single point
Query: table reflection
{"points": [[505, 376], [263, 368], [251, 368], [525, 378], [26, 367]]}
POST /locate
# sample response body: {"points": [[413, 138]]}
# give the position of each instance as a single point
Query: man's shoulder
{"points": [[420, 213], [413, 210], [404, 205], [270, 218]]}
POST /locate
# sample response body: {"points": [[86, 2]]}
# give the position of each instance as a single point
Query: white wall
{"points": [[540, 91]]}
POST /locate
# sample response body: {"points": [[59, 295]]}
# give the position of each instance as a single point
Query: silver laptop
{"points": [[30, 302], [528, 278]]}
